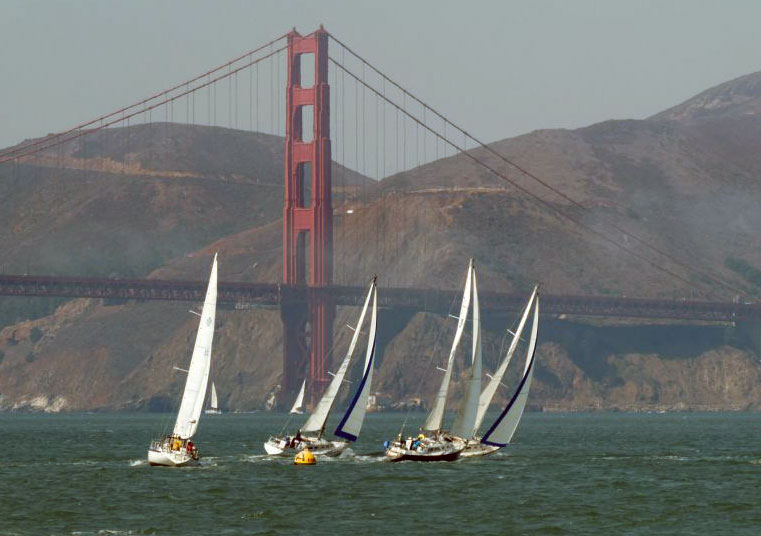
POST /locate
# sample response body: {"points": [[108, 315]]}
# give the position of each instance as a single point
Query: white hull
{"points": [[213, 412], [160, 452], [278, 446], [427, 450], [474, 448], [171, 458]]}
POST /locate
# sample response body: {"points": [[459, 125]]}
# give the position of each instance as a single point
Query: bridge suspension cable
{"points": [[75, 134], [100, 119], [546, 204], [716, 279]]}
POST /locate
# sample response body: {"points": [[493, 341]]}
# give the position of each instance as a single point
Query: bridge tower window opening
{"points": [[304, 180]]}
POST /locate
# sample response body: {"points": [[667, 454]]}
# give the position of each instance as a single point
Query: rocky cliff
{"points": [[159, 200]]}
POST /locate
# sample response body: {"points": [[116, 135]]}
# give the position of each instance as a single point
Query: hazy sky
{"points": [[499, 68]]}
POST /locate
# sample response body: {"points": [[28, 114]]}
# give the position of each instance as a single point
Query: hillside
{"points": [[685, 182]]}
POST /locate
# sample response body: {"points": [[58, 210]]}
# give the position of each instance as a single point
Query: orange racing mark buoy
{"points": [[304, 457]]}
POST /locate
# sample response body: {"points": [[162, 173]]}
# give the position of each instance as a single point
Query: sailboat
{"points": [[298, 404], [177, 449], [500, 433], [434, 443], [213, 408], [311, 435]]}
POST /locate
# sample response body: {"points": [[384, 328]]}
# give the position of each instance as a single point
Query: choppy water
{"points": [[565, 474]]}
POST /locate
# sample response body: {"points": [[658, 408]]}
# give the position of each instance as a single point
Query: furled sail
{"points": [[436, 416], [491, 388], [200, 364], [316, 421], [501, 432], [465, 423], [351, 423], [299, 399], [214, 404]]}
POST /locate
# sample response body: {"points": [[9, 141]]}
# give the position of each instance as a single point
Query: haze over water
{"points": [[565, 474]]}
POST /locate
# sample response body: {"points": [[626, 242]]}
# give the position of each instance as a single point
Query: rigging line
{"points": [[534, 196], [427, 366], [716, 279], [148, 99], [100, 127]]}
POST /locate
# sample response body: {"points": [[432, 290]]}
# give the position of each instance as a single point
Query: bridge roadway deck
{"points": [[247, 295]]}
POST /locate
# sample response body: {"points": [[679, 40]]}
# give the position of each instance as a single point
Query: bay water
{"points": [[599, 473]]}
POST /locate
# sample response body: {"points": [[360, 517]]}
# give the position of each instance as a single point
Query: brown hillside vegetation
{"points": [[684, 182]]}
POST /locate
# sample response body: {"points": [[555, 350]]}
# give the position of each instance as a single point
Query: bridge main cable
{"points": [[716, 279], [123, 118], [43, 141]]}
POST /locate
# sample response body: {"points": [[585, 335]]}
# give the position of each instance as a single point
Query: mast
{"points": [[351, 423], [435, 418], [501, 432], [465, 423], [491, 388], [200, 364], [318, 418]]}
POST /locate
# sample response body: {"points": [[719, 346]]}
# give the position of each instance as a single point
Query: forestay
{"points": [[200, 364], [436, 416], [351, 423], [491, 388], [465, 423], [501, 432], [316, 421]]}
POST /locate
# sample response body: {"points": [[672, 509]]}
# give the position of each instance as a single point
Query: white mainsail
{"points": [[501, 432], [200, 364], [436, 416], [465, 423], [316, 421], [351, 423], [213, 404], [299, 399], [491, 388]]}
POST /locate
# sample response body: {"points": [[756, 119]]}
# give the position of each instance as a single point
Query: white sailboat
{"points": [[298, 405], [501, 431], [177, 449], [213, 408], [311, 434], [435, 444]]}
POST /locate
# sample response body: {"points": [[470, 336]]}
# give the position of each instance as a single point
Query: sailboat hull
{"points": [[430, 451], [213, 412], [475, 448], [171, 459], [284, 446]]}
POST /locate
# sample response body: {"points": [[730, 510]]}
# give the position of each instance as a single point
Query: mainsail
{"points": [[316, 421], [465, 423], [501, 432], [213, 404], [200, 363], [436, 416], [491, 388], [351, 423], [299, 399]]}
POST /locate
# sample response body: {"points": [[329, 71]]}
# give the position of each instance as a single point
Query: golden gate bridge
{"points": [[393, 131]]}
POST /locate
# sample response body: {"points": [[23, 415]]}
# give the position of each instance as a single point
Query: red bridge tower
{"points": [[307, 215]]}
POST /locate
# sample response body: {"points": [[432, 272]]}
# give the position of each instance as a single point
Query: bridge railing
{"points": [[246, 295]]}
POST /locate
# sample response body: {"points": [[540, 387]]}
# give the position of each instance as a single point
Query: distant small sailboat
{"points": [[213, 408], [311, 434], [502, 430], [177, 449], [298, 405]]}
